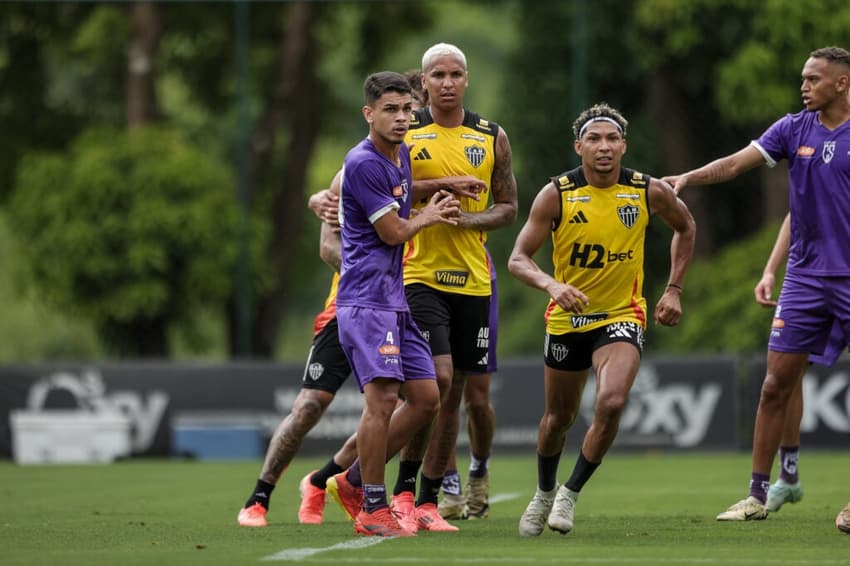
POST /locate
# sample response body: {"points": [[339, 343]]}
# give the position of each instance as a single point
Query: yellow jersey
{"points": [[446, 257], [598, 248]]}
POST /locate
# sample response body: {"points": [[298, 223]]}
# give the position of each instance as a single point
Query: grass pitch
{"points": [[639, 509]]}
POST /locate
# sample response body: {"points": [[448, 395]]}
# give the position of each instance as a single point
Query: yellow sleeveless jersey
{"points": [[445, 257], [599, 249], [329, 312]]}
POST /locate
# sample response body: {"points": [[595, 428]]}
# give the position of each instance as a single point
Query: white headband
{"points": [[599, 119]]}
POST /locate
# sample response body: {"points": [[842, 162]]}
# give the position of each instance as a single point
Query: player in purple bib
{"points": [[815, 294], [386, 351]]}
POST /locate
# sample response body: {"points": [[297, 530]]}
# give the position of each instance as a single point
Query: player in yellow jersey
{"points": [[447, 273], [597, 217]]}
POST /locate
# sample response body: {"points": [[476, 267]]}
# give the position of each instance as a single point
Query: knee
{"points": [[559, 421], [772, 390], [610, 405], [309, 407]]}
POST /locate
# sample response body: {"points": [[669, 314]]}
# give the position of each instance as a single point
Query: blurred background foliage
{"points": [[155, 158]]}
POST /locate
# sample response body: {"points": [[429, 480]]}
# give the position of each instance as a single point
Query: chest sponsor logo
{"points": [[479, 139], [430, 136], [584, 198], [828, 151], [594, 256], [633, 196], [580, 320], [628, 214], [475, 154], [451, 278], [805, 151]]}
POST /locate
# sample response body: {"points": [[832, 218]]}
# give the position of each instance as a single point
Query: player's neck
{"points": [[447, 118], [601, 180], [390, 150], [835, 114]]}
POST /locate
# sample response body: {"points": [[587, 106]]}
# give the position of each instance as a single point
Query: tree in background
{"points": [[131, 229]]}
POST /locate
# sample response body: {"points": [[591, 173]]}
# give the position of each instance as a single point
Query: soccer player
{"points": [[324, 373], [447, 276], [597, 216], [383, 345], [816, 290]]}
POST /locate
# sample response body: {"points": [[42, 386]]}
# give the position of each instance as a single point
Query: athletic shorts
{"points": [[380, 343], [812, 317], [453, 324], [573, 351], [327, 367]]}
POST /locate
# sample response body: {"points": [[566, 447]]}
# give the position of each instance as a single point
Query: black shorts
{"points": [[573, 351], [327, 367], [453, 324]]}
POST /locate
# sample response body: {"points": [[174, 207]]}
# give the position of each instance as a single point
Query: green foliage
{"points": [[719, 311], [30, 329], [127, 226]]}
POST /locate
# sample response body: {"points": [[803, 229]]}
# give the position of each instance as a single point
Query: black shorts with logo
{"points": [[573, 351], [327, 367], [453, 324]]}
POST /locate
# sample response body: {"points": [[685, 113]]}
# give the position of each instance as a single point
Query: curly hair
{"points": [[601, 110]]}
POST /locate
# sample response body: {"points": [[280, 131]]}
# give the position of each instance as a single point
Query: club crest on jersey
{"points": [[828, 151], [474, 154], [628, 214]]}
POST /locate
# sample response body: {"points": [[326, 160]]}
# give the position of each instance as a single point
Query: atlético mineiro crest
{"points": [[474, 154], [628, 214], [828, 151]]}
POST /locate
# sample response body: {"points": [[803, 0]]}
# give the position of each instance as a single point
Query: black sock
{"points": [[262, 494], [320, 477], [547, 471], [406, 481], [581, 473], [429, 490]]}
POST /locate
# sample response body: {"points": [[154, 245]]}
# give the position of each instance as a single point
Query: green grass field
{"points": [[638, 509]]}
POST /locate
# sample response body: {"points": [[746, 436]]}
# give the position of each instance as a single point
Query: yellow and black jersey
{"points": [[445, 257], [598, 245]]}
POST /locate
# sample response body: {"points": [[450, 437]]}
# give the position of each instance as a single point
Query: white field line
{"points": [[296, 554]]}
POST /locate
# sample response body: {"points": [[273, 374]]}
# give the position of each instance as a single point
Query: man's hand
{"points": [[442, 208], [764, 289], [678, 182], [325, 205], [568, 297], [668, 311]]}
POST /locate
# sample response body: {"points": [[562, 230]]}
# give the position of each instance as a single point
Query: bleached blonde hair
{"points": [[441, 50]]}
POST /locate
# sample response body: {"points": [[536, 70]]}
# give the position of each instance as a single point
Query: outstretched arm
{"points": [[719, 170], [675, 214]]}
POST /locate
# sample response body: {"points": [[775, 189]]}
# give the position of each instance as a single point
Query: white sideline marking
{"points": [[295, 554], [500, 497]]}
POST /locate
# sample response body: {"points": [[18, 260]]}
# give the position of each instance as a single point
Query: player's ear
{"points": [[367, 113], [577, 146]]}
